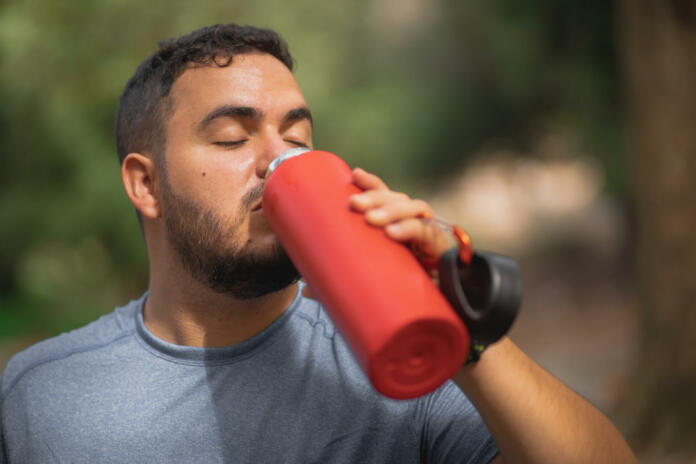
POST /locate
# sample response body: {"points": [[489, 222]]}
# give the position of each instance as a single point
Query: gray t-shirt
{"points": [[113, 392]]}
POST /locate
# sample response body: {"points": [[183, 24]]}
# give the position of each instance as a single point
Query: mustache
{"points": [[252, 197]]}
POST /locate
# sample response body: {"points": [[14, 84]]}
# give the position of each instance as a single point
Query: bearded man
{"points": [[224, 359]]}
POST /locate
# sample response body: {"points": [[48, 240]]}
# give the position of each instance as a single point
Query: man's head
{"points": [[145, 103], [196, 127]]}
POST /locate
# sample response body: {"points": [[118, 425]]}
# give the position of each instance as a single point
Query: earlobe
{"points": [[138, 176]]}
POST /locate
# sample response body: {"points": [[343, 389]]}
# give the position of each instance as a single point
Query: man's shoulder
{"points": [[97, 334]]}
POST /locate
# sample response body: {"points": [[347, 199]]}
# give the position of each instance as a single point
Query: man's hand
{"points": [[399, 215]]}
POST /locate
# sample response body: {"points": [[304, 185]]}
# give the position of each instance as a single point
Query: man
{"points": [[224, 359]]}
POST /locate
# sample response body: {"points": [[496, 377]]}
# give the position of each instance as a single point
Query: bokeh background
{"points": [[559, 132]]}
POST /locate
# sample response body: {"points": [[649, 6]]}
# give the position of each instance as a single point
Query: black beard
{"points": [[197, 235]]}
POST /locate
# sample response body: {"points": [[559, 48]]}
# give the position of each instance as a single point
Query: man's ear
{"points": [[138, 176]]}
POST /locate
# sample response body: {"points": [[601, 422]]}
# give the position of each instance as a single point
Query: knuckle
{"points": [[415, 225]]}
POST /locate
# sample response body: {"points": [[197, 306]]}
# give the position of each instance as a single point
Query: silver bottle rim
{"points": [[291, 153]]}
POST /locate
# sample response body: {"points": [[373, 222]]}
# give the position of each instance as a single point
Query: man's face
{"points": [[226, 126]]}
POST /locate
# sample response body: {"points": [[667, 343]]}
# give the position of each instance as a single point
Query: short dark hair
{"points": [[144, 105]]}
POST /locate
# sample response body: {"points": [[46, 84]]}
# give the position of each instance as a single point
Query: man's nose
{"points": [[272, 147]]}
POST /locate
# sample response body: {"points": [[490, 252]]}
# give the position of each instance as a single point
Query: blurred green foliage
{"points": [[408, 89]]}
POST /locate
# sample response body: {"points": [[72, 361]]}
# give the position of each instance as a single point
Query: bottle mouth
{"points": [[291, 153]]}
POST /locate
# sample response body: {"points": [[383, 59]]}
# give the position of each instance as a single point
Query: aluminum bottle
{"points": [[400, 327]]}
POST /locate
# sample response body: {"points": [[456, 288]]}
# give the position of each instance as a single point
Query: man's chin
{"points": [[213, 255], [263, 246], [259, 268]]}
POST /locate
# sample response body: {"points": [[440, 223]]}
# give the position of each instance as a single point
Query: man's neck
{"points": [[183, 311]]}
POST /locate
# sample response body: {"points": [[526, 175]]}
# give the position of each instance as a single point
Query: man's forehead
{"points": [[256, 80], [248, 73]]}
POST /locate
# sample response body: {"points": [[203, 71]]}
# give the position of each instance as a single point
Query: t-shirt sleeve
{"points": [[452, 429]]}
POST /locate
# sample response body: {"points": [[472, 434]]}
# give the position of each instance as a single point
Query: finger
{"points": [[397, 210], [374, 199], [368, 181], [409, 230], [426, 237]]}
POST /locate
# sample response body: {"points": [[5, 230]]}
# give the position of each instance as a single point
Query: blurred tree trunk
{"points": [[657, 46]]}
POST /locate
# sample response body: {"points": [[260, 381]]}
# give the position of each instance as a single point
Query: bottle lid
{"points": [[291, 153]]}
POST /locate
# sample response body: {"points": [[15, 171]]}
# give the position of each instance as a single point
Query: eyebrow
{"points": [[248, 112], [230, 111], [298, 114]]}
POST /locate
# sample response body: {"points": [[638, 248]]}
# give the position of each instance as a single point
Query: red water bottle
{"points": [[398, 324]]}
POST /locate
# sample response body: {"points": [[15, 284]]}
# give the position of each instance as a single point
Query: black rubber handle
{"points": [[486, 294]]}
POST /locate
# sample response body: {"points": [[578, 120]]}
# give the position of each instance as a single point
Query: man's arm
{"points": [[532, 416], [535, 418]]}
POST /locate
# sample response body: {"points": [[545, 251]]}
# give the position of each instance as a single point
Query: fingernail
{"points": [[376, 214], [393, 228], [357, 198]]}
